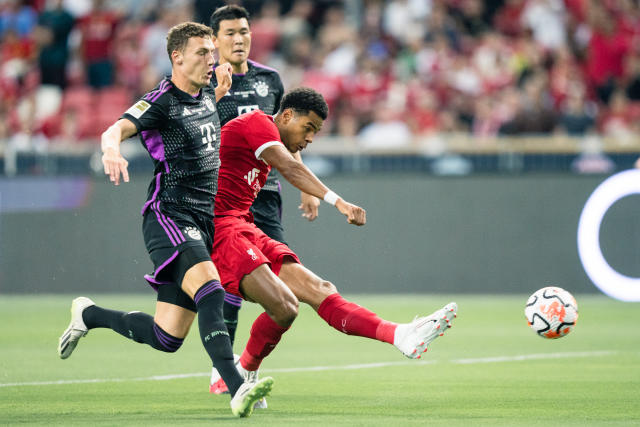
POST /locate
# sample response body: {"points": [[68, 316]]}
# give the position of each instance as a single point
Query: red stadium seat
{"points": [[78, 98], [114, 97]]}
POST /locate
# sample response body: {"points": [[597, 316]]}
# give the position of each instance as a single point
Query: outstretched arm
{"points": [[113, 162], [304, 180], [308, 204]]}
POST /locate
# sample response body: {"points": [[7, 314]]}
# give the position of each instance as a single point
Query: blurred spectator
{"points": [[98, 31], [632, 76], [52, 34], [154, 47], [17, 56], [387, 131], [78, 8], [265, 31], [17, 16], [404, 19], [337, 43], [508, 18], [130, 60], [294, 27], [578, 116], [471, 18], [422, 111], [546, 19], [617, 120], [608, 46], [536, 115], [564, 75]]}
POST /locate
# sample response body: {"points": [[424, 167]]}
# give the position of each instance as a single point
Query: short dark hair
{"points": [[304, 99], [179, 35], [224, 13]]}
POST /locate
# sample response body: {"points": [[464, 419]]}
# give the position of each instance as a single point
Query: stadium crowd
{"points": [[388, 69]]}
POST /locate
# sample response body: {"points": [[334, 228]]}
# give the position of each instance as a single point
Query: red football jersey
{"points": [[242, 171]]}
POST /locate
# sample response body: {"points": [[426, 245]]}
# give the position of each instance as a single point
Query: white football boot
{"points": [[413, 338], [248, 395], [252, 377], [76, 329]]}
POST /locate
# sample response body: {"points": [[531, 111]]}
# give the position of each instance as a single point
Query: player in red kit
{"points": [[265, 271]]}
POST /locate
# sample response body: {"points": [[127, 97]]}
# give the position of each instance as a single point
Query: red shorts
{"points": [[239, 247]]}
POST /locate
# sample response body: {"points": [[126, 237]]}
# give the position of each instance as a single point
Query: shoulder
{"points": [[155, 100], [264, 70], [258, 118], [250, 122], [162, 90]]}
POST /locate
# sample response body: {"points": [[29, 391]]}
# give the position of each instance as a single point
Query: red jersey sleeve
{"points": [[261, 133]]}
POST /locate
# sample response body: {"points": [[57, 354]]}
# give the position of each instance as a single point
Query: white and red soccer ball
{"points": [[551, 312]]}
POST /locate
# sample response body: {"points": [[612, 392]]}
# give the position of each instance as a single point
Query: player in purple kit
{"points": [[179, 126]]}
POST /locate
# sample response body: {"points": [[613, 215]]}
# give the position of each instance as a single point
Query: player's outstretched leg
{"points": [[353, 319], [134, 325], [248, 395], [76, 329], [413, 338]]}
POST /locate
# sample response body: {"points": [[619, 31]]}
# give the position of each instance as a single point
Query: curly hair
{"points": [[179, 35], [224, 13], [304, 99]]}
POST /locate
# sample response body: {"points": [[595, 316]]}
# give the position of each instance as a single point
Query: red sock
{"points": [[352, 319], [265, 335]]}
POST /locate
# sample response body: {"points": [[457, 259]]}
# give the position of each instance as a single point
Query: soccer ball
{"points": [[551, 312]]}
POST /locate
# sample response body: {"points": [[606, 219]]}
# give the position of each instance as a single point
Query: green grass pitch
{"points": [[489, 369]]}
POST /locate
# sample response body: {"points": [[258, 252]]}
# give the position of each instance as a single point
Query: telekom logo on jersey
{"points": [[208, 132]]}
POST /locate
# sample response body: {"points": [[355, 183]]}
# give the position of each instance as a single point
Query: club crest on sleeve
{"points": [[138, 109]]}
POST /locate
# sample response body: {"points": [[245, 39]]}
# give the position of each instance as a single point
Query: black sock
{"points": [[134, 325], [230, 310], [214, 335]]}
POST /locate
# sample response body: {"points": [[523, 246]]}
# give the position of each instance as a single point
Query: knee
{"points": [[286, 312], [166, 342]]}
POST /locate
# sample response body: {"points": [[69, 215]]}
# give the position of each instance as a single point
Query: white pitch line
{"points": [[533, 357], [497, 359]]}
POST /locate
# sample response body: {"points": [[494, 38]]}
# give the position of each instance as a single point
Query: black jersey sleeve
{"points": [[280, 87], [147, 115]]}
